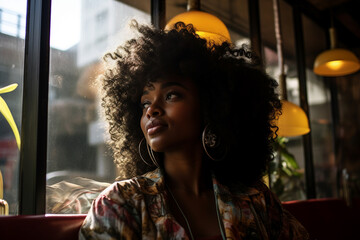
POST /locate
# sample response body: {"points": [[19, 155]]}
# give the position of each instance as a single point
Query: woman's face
{"points": [[171, 114]]}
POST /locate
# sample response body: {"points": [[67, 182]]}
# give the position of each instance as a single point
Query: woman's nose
{"points": [[154, 110]]}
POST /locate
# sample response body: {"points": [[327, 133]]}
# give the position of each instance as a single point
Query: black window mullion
{"points": [[35, 108], [301, 68], [255, 29], [158, 13], [335, 117]]}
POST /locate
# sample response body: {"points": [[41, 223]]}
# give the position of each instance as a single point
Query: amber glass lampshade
{"points": [[293, 121], [206, 25], [336, 62]]}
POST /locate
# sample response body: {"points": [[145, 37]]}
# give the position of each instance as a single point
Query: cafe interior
{"points": [[54, 158]]}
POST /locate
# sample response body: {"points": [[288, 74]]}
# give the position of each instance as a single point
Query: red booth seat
{"points": [[327, 218], [40, 227], [323, 218]]}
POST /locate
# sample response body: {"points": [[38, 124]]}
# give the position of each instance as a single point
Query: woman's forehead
{"points": [[168, 81]]}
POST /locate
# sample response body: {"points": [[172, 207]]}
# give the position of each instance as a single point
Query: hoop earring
{"points": [[212, 144], [139, 149], [151, 155]]}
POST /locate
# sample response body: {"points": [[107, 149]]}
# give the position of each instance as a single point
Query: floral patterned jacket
{"points": [[138, 209]]}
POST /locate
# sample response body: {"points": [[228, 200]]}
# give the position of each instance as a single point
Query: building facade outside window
{"points": [[12, 49], [78, 158]]}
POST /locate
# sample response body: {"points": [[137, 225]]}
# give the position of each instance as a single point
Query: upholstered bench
{"points": [[325, 219], [41, 227]]}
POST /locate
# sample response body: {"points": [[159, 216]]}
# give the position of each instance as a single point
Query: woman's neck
{"points": [[186, 171]]}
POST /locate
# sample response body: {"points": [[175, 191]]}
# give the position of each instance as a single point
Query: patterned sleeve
{"points": [[289, 227], [111, 216], [292, 228], [280, 224]]}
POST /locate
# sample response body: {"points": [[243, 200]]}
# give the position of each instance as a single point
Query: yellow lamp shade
{"points": [[207, 26], [293, 121], [336, 62]]}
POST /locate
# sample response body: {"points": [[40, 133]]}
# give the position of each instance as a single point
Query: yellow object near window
{"points": [[293, 121], [4, 109], [4, 207], [207, 26], [336, 62]]}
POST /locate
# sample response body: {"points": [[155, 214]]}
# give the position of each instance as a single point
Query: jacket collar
{"points": [[234, 206], [153, 183]]}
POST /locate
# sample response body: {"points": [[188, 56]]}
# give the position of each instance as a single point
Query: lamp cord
{"points": [[193, 5], [279, 47]]}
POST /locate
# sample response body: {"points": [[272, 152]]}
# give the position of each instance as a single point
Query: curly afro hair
{"points": [[236, 96]]}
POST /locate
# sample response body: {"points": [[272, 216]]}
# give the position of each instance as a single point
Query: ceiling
{"points": [[345, 15], [234, 13]]}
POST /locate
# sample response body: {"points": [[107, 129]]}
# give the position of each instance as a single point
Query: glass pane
{"points": [[348, 135], [79, 163], [12, 47], [320, 113], [287, 185]]}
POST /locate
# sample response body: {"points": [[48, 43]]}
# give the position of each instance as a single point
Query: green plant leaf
{"points": [[287, 171], [297, 174], [4, 109], [278, 187], [289, 159]]}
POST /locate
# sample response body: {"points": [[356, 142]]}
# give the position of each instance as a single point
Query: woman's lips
{"points": [[155, 129], [155, 126]]}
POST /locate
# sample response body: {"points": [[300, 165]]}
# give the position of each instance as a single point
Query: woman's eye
{"points": [[172, 95], [145, 105]]}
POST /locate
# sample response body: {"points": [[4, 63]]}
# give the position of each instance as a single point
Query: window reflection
{"points": [[80, 165], [320, 114], [292, 186], [12, 34]]}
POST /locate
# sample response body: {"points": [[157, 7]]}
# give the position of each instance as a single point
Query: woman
{"points": [[205, 114]]}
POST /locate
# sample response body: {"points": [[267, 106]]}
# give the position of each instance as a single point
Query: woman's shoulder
{"points": [[149, 183], [281, 222], [257, 188], [261, 197], [266, 196]]}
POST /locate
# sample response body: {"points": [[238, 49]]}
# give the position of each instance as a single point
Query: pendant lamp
{"points": [[293, 120], [207, 26], [336, 61]]}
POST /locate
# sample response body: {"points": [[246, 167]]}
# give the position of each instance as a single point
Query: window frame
{"points": [[34, 132], [32, 172]]}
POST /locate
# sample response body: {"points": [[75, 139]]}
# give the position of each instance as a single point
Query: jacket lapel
{"points": [[238, 216]]}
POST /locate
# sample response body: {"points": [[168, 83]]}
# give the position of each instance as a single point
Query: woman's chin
{"points": [[157, 146]]}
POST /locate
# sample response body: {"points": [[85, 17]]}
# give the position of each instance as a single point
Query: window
{"points": [[287, 187], [80, 35], [320, 114], [12, 33], [77, 155]]}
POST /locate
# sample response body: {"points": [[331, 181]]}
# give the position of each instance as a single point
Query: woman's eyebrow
{"points": [[149, 87], [163, 85], [170, 84]]}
